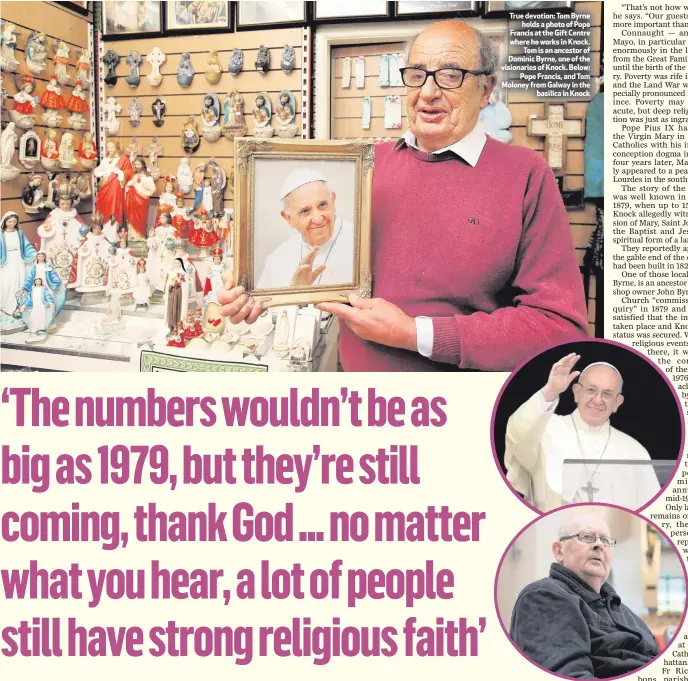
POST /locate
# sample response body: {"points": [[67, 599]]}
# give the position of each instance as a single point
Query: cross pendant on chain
{"points": [[590, 490]]}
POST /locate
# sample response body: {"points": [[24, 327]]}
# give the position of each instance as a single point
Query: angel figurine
{"points": [[83, 68], [190, 137], [213, 69], [156, 58], [36, 53], [61, 59], [22, 112], [78, 105], [8, 141], [262, 114], [52, 100], [8, 43]]}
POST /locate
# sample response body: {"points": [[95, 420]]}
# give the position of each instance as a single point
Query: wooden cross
{"points": [[590, 490], [556, 128]]}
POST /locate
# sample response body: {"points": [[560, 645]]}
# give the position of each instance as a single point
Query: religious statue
{"points": [[78, 105], [134, 63], [185, 70], [87, 153], [133, 149], [203, 236], [36, 54], [29, 149], [121, 265], [4, 95], [169, 195], [198, 186], [236, 62], [8, 141], [176, 299], [159, 108], [213, 281], [285, 114], [113, 320], [263, 60], [83, 68], [262, 114], [160, 250], [60, 236], [32, 195], [113, 172], [17, 255], [174, 338], [288, 59], [154, 150], [184, 175], [111, 109], [137, 193], [218, 182], [135, 110], [156, 58], [233, 123], [111, 61], [43, 270], [60, 61], [92, 259], [190, 137], [38, 312], [142, 292], [213, 69], [180, 218], [52, 100], [22, 112], [49, 150], [210, 113], [81, 184], [8, 43], [66, 153]]}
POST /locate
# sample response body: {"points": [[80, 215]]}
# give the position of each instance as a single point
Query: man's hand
{"points": [[236, 304], [305, 275], [560, 377], [377, 320]]}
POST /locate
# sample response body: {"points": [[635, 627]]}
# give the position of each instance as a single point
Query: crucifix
{"points": [[154, 150], [590, 490], [556, 128]]}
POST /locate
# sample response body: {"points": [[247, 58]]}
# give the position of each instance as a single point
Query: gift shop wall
{"points": [[58, 23], [183, 102], [347, 106]]}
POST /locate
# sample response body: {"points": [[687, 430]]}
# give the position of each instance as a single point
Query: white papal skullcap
{"points": [[602, 364], [297, 178]]}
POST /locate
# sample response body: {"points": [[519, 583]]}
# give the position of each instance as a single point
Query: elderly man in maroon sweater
{"points": [[473, 265]]}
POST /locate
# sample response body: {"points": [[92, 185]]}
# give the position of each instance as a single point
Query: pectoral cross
{"points": [[556, 128], [590, 490]]}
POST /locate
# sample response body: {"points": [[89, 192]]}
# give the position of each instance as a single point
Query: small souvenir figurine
{"points": [[210, 113], [92, 259], [198, 186], [213, 282], [29, 149], [17, 256], [8, 42], [218, 183], [184, 175], [43, 270], [203, 236], [8, 140], [262, 114], [49, 151], [168, 196], [111, 60], [496, 119], [156, 58], [263, 60], [36, 53], [176, 300], [113, 172], [233, 122], [213, 69], [160, 250], [60, 60], [66, 153], [134, 63], [52, 100], [133, 149], [159, 108], [185, 70], [236, 62], [87, 153], [111, 109], [22, 112], [83, 68], [142, 290], [154, 150], [4, 95], [285, 114], [137, 193], [180, 218], [122, 265], [190, 137], [32, 195], [288, 59], [78, 105], [175, 339], [113, 320], [135, 110], [82, 186], [189, 331], [38, 312]]}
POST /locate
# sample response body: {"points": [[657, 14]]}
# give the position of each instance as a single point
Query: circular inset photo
{"points": [[591, 591], [584, 422]]}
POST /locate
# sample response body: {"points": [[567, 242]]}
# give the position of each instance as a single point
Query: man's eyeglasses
{"points": [[588, 538], [606, 395], [447, 79]]}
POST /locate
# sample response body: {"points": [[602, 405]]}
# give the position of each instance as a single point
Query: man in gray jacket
{"points": [[574, 623]]}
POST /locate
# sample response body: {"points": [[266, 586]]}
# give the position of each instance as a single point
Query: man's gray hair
{"points": [[573, 523], [488, 55], [284, 200]]}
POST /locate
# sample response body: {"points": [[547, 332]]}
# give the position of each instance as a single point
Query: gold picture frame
{"points": [[351, 163]]}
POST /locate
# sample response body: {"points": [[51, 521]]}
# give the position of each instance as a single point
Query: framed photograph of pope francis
{"points": [[303, 219]]}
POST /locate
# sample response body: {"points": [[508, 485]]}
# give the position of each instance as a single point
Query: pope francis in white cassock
{"points": [[538, 441], [320, 251]]}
